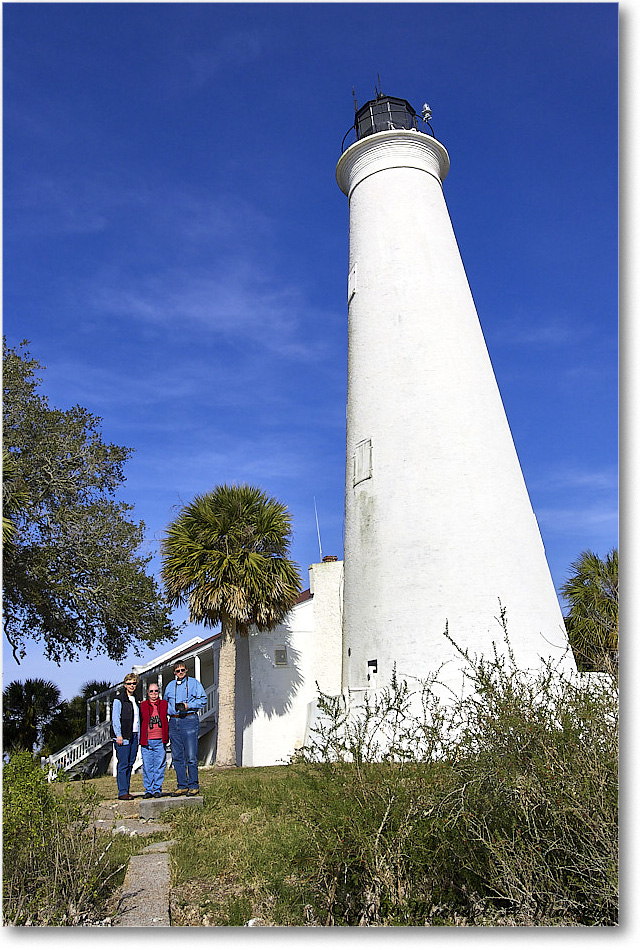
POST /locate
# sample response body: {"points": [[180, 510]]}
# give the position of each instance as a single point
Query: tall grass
{"points": [[495, 809], [498, 807]]}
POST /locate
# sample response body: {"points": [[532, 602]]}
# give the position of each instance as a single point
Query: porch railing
{"points": [[212, 702]]}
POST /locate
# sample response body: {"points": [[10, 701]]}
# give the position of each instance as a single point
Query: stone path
{"points": [[130, 826], [144, 898]]}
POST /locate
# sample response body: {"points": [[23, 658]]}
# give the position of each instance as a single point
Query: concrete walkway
{"points": [[130, 826], [145, 895], [144, 900]]}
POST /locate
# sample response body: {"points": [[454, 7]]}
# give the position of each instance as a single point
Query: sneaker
{"points": [[192, 791], [125, 798], [158, 794], [148, 795], [180, 792]]}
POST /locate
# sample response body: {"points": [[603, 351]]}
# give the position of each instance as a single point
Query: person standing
{"points": [[154, 736], [125, 728], [184, 697]]}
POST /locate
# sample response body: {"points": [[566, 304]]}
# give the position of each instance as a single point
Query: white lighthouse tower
{"points": [[439, 529]]}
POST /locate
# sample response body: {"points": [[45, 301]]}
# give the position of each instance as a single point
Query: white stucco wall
{"points": [[439, 526], [272, 700]]}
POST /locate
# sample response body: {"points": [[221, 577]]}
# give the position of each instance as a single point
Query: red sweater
{"points": [[145, 712]]}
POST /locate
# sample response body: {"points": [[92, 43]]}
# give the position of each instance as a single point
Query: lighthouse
{"points": [[439, 529]]}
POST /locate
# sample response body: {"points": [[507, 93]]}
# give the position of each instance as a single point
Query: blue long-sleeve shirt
{"points": [[190, 691], [115, 719]]}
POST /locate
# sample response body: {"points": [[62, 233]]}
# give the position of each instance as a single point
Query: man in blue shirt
{"points": [[185, 696]]}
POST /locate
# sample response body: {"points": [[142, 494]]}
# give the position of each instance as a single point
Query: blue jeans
{"points": [[125, 755], [154, 758], [183, 737]]}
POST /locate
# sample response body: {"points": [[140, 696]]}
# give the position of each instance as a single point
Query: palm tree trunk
{"points": [[226, 739]]}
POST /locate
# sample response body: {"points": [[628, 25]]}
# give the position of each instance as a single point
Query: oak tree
{"points": [[74, 576]]}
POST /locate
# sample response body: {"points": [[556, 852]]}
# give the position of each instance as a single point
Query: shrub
{"points": [[56, 866], [497, 808]]}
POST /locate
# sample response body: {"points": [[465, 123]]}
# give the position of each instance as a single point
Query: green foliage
{"points": [[591, 591], [514, 821], [498, 809], [27, 709], [15, 498], [56, 868], [73, 577], [253, 856], [225, 556]]}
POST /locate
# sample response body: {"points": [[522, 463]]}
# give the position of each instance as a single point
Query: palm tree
{"points": [[70, 720], [225, 556], [592, 621], [27, 708], [92, 688]]}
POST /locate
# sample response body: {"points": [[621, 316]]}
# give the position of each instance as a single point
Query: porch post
{"points": [[88, 716], [197, 667]]}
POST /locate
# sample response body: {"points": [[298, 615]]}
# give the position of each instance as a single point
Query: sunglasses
{"points": [[181, 670]]}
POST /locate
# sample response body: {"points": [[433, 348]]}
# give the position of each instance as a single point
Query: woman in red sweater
{"points": [[154, 736]]}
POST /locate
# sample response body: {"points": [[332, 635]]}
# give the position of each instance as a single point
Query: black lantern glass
{"points": [[384, 113]]}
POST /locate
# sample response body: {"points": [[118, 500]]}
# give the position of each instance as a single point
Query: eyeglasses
{"points": [[181, 670]]}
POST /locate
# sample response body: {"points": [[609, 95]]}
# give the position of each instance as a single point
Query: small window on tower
{"points": [[352, 282], [280, 656], [362, 461]]}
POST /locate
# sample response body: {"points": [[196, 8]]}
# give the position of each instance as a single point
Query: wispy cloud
{"points": [[75, 201], [210, 265], [257, 461], [237, 302], [111, 387], [539, 330], [578, 520], [233, 50], [46, 205], [552, 333], [578, 503], [601, 479]]}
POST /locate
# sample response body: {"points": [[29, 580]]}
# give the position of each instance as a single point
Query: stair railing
{"points": [[78, 750]]}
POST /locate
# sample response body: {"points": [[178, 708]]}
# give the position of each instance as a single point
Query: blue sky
{"points": [[175, 243]]}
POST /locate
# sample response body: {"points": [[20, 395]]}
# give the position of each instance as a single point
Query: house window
{"points": [[280, 656], [362, 462]]}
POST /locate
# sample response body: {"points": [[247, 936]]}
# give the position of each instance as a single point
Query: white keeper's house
{"points": [[277, 678]]}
